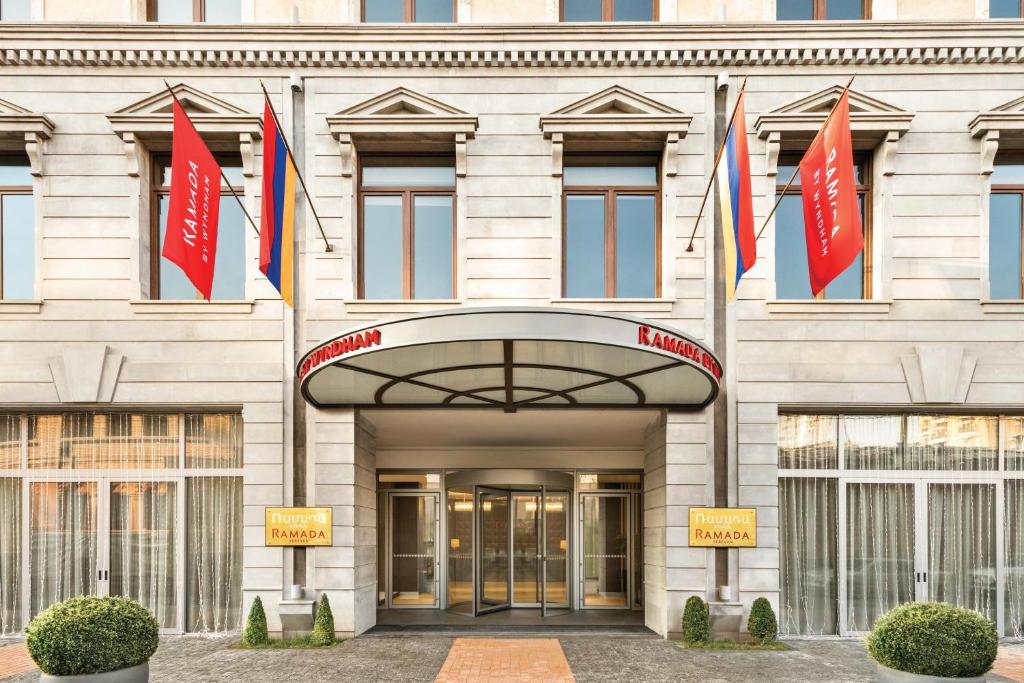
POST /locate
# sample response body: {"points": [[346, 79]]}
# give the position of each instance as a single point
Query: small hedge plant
{"points": [[762, 625], [255, 632], [696, 626], [934, 639], [323, 627], [90, 635]]}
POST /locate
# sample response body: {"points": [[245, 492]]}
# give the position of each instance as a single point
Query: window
{"points": [[804, 10], [15, 10], [611, 230], [791, 277], [397, 11], [407, 228], [167, 279], [185, 11], [17, 229], [1006, 227], [609, 10], [1005, 9]]}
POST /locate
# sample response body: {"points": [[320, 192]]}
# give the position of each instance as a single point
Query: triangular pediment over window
{"points": [[24, 130], [152, 115], [618, 112], [405, 113], [871, 119], [1001, 128]]}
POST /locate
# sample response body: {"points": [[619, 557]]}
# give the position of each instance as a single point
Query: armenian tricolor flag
{"points": [[277, 214], [737, 204]]}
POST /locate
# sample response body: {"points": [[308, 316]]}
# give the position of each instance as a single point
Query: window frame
{"points": [[11, 190], [408, 194], [408, 12], [1013, 189], [820, 12], [608, 10], [160, 161], [611, 192], [198, 10], [862, 158]]}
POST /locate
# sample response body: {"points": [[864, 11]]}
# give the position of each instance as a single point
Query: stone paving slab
{"points": [[505, 660]]}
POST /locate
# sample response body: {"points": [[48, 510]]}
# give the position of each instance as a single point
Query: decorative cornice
{"points": [[513, 45]]}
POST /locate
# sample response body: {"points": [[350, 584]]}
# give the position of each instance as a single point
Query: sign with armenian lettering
{"points": [[298, 526], [723, 527]]}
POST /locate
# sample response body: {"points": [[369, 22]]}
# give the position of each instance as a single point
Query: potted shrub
{"points": [[93, 640], [323, 627], [924, 642], [762, 624], [696, 626]]}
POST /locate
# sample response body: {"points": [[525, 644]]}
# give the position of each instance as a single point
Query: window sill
{"points": [[161, 307], [840, 306], [399, 305], [1002, 306], [652, 304], [20, 306]]}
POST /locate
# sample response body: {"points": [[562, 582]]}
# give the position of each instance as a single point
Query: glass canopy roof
{"points": [[511, 359]]}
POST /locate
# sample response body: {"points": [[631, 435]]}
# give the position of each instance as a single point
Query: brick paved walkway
{"points": [[14, 660], [1010, 663], [519, 660]]}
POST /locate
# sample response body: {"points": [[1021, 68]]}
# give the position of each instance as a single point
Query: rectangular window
{"points": [[15, 10], [835, 10], [1006, 229], [17, 229], [791, 272], [609, 10], [409, 11], [407, 229], [167, 280], [1005, 9], [611, 230], [187, 11], [10, 556]]}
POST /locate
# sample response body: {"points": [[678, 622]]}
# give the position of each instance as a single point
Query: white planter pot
{"points": [[887, 675], [133, 674]]}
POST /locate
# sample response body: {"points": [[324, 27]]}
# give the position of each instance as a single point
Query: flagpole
{"points": [[797, 170], [714, 168], [309, 200], [223, 177]]}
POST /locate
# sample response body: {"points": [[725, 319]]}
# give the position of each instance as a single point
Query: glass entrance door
{"points": [[526, 555], [556, 550], [605, 567], [493, 560], [412, 550]]}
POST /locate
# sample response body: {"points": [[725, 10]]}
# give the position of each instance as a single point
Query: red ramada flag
{"points": [[191, 238], [831, 212]]}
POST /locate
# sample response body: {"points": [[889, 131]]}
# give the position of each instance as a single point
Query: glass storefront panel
{"points": [[1013, 443], [62, 542], [1013, 536], [409, 480], [605, 550], [962, 546], [952, 442], [460, 550], [610, 481], [808, 556], [413, 551], [493, 591], [556, 551], [10, 442], [10, 555], [213, 440], [807, 442], [213, 509], [880, 551], [143, 546], [91, 441], [526, 548], [873, 442]]}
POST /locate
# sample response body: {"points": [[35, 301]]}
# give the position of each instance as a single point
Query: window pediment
{"points": [[999, 128], [24, 129], [616, 112], [871, 119]]}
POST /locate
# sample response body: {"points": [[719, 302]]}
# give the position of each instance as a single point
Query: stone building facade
{"points": [[902, 395]]}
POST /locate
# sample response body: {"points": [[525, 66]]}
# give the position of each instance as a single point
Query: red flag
{"points": [[831, 211], [191, 239]]}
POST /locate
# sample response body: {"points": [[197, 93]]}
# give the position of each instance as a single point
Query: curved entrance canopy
{"points": [[511, 358]]}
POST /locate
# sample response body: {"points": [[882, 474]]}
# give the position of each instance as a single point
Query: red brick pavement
{"points": [[505, 661], [1010, 663], [14, 660]]}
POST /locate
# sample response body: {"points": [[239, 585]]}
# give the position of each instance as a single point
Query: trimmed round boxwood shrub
{"points": [[323, 627], [762, 625], [696, 626], [255, 632], [934, 639], [90, 635]]}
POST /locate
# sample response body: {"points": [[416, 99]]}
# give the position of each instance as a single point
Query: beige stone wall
{"points": [[926, 10], [309, 11], [482, 11], [734, 10], [93, 10]]}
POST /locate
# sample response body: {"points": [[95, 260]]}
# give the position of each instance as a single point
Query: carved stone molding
{"points": [[86, 373], [1002, 125], [939, 373], [989, 147], [20, 124]]}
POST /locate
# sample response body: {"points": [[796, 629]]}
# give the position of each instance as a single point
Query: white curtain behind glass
{"points": [[1014, 562], [962, 546], [807, 441], [143, 547], [880, 551], [63, 539], [808, 556], [214, 558], [10, 556]]}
